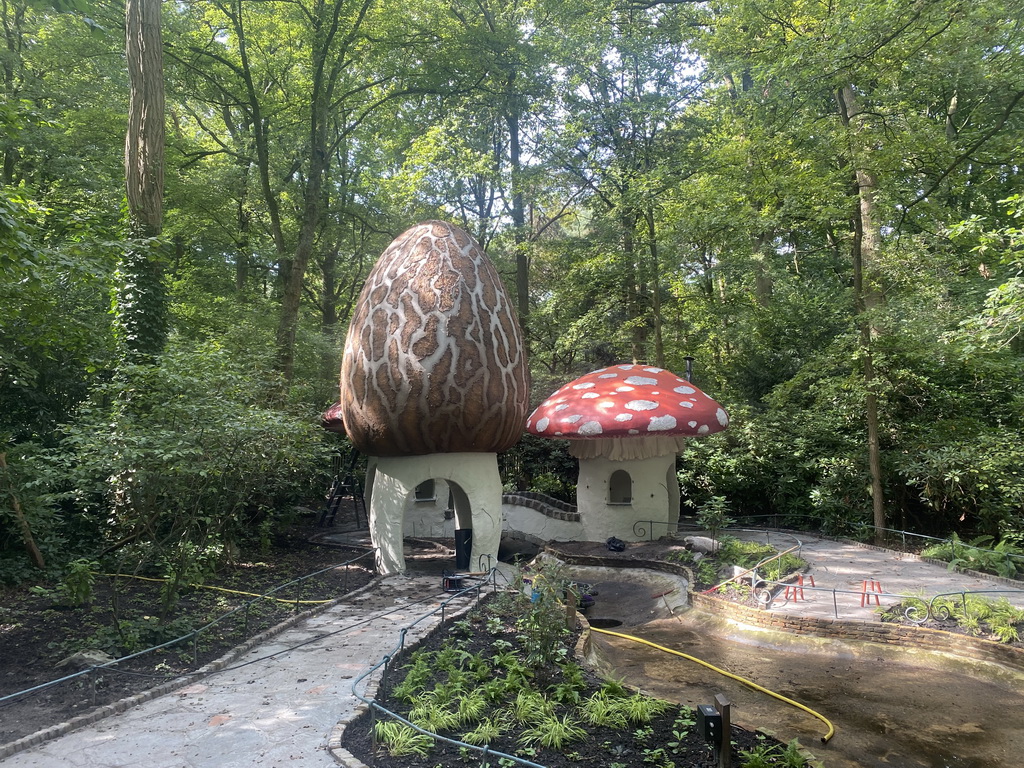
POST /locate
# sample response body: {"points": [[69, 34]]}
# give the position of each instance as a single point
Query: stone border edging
{"points": [[341, 755], [546, 505], [122, 705], [884, 633]]}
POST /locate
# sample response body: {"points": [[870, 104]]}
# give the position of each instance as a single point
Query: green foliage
{"points": [[748, 554], [1003, 558], [485, 732], [400, 740], [603, 710], [188, 456], [765, 756], [977, 615], [542, 624], [529, 707], [553, 732], [713, 515]]}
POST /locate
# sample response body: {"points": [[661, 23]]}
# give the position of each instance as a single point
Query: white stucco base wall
{"points": [[536, 527], [430, 517], [653, 488], [475, 485]]}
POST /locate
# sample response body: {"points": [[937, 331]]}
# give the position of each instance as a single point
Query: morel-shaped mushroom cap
{"points": [[627, 412], [434, 359]]}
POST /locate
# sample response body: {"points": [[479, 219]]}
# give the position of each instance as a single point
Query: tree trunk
{"points": [[652, 247], [19, 514], [141, 297], [867, 247], [144, 140], [519, 226]]}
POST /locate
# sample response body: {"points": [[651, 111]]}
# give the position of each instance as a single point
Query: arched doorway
{"points": [[475, 488]]}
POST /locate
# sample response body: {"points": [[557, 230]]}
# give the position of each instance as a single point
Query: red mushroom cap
{"points": [[627, 401], [331, 419]]}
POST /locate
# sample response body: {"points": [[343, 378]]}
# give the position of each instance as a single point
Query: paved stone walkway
{"points": [[274, 707], [839, 570], [278, 705]]}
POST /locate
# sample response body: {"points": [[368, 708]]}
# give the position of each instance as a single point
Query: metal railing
{"points": [[384, 665], [923, 608], [859, 532], [195, 635]]}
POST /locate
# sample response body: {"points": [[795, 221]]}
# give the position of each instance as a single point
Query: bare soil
{"points": [[40, 631]]}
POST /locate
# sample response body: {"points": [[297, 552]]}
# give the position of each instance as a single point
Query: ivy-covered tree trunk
{"points": [[140, 302]]}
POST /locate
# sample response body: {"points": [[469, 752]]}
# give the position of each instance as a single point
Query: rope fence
{"points": [[195, 635], [487, 755]]}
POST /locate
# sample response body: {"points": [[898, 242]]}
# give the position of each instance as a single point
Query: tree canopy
{"points": [[819, 202]]}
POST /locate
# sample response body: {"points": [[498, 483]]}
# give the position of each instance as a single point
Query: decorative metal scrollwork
{"points": [[917, 611], [940, 610], [639, 530]]}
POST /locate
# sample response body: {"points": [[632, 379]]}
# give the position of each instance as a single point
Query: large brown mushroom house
{"points": [[434, 384], [626, 424]]}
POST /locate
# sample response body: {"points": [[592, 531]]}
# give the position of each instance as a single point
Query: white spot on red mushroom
{"points": [[608, 376], [662, 423], [693, 424], [684, 390], [584, 385], [641, 381], [625, 367], [542, 424], [634, 431], [654, 370], [573, 419], [591, 428], [561, 406], [723, 417], [686, 404], [703, 429], [624, 417], [624, 389], [589, 395], [641, 405]]}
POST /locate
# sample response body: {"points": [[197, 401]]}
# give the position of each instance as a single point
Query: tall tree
{"points": [[141, 295]]}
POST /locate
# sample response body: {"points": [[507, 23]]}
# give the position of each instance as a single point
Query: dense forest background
{"points": [[818, 201]]}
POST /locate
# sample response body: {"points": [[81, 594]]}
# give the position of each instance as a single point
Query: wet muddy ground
{"points": [[890, 709]]}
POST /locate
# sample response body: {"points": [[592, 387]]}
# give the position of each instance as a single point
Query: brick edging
{"points": [[122, 705], [926, 638]]}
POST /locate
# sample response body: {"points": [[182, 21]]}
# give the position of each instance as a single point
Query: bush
{"points": [[1002, 558], [188, 458]]}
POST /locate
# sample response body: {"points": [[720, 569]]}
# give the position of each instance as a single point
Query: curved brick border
{"points": [[546, 505], [121, 705]]}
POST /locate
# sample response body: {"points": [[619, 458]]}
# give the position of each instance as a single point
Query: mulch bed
{"points": [[661, 742]]}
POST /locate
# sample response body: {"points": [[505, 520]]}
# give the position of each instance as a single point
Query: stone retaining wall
{"points": [[918, 638]]}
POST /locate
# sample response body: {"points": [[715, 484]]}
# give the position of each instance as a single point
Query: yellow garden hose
{"points": [[749, 683], [218, 589]]}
